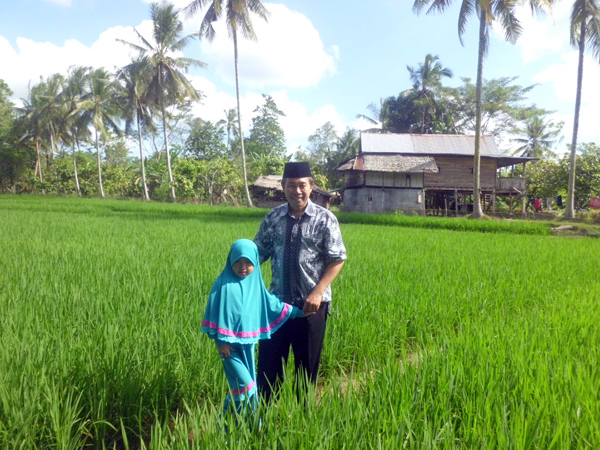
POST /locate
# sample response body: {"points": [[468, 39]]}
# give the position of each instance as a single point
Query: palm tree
{"points": [[538, 135], [585, 29], [30, 114], [48, 104], [101, 109], [487, 11], [425, 77], [237, 16], [348, 144], [133, 76], [168, 84], [229, 124], [378, 116], [73, 93]]}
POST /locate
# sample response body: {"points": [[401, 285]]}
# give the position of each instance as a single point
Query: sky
{"points": [[319, 60]]}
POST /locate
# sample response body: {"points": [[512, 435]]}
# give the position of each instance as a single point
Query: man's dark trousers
{"points": [[305, 335]]}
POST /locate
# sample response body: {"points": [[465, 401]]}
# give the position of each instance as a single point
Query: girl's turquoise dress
{"points": [[240, 311]]}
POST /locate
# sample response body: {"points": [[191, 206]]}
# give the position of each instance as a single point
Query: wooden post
{"points": [[446, 204], [494, 200], [456, 202]]}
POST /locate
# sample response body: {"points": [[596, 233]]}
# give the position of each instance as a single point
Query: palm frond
{"points": [[504, 12], [194, 7], [466, 9]]}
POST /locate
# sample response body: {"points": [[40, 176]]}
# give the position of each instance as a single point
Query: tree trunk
{"points": [[99, 167], [237, 91], [477, 212], [75, 173], [144, 185], [75, 164], [39, 163], [173, 197], [54, 163], [570, 207]]}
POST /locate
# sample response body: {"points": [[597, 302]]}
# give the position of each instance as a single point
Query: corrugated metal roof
{"points": [[428, 144], [391, 163]]}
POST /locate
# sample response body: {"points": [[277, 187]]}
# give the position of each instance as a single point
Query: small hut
{"points": [[268, 193]]}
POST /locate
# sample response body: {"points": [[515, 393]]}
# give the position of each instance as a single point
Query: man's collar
{"points": [[310, 209]]}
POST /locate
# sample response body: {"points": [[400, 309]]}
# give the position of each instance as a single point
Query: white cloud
{"points": [[34, 59], [362, 124], [288, 52], [563, 78], [297, 124], [543, 34]]}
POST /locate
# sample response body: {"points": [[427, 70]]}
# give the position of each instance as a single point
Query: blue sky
{"points": [[320, 60]]}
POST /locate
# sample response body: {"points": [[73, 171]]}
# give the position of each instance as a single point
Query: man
{"points": [[306, 249]]}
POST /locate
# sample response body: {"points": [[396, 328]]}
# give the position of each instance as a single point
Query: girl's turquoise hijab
{"points": [[241, 310]]}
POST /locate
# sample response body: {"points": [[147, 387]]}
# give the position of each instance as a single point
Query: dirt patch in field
{"points": [[345, 380], [575, 230]]}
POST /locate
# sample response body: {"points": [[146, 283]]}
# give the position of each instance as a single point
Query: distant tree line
{"points": [[73, 132]]}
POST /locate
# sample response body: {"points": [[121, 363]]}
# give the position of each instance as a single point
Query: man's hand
{"points": [[312, 304], [313, 301], [225, 350]]}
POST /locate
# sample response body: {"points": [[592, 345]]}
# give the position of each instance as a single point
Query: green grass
{"points": [[449, 339]]}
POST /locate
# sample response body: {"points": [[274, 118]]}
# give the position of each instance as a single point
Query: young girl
{"points": [[239, 312]]}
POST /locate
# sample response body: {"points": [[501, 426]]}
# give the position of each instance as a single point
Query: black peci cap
{"points": [[297, 170]]}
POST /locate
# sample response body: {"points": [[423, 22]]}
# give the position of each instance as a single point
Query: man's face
{"points": [[297, 192]]}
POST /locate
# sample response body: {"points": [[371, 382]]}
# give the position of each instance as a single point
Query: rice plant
{"points": [[438, 338]]}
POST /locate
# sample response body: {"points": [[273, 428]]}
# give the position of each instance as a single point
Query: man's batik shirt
{"points": [[316, 240]]}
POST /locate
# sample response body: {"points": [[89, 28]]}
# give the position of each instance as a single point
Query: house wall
{"points": [[456, 172], [393, 179], [354, 178], [381, 200]]}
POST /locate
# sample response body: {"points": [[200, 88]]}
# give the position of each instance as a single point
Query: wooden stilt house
{"points": [[426, 172]]}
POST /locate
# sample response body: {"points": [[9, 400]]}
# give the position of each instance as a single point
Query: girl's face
{"points": [[242, 267]]}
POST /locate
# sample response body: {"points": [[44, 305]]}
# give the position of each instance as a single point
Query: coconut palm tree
{"points": [[48, 102], [427, 76], [237, 17], [73, 93], [134, 78], [487, 11], [377, 116], [101, 109], [29, 113], [348, 144], [168, 84], [229, 124], [538, 135], [585, 30]]}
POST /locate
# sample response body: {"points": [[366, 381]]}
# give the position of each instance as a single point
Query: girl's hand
{"points": [[225, 350]]}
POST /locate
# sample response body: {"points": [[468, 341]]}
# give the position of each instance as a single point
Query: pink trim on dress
{"points": [[243, 390], [247, 334]]}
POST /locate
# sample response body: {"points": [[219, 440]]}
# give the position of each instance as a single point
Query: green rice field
{"points": [[444, 334]]}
